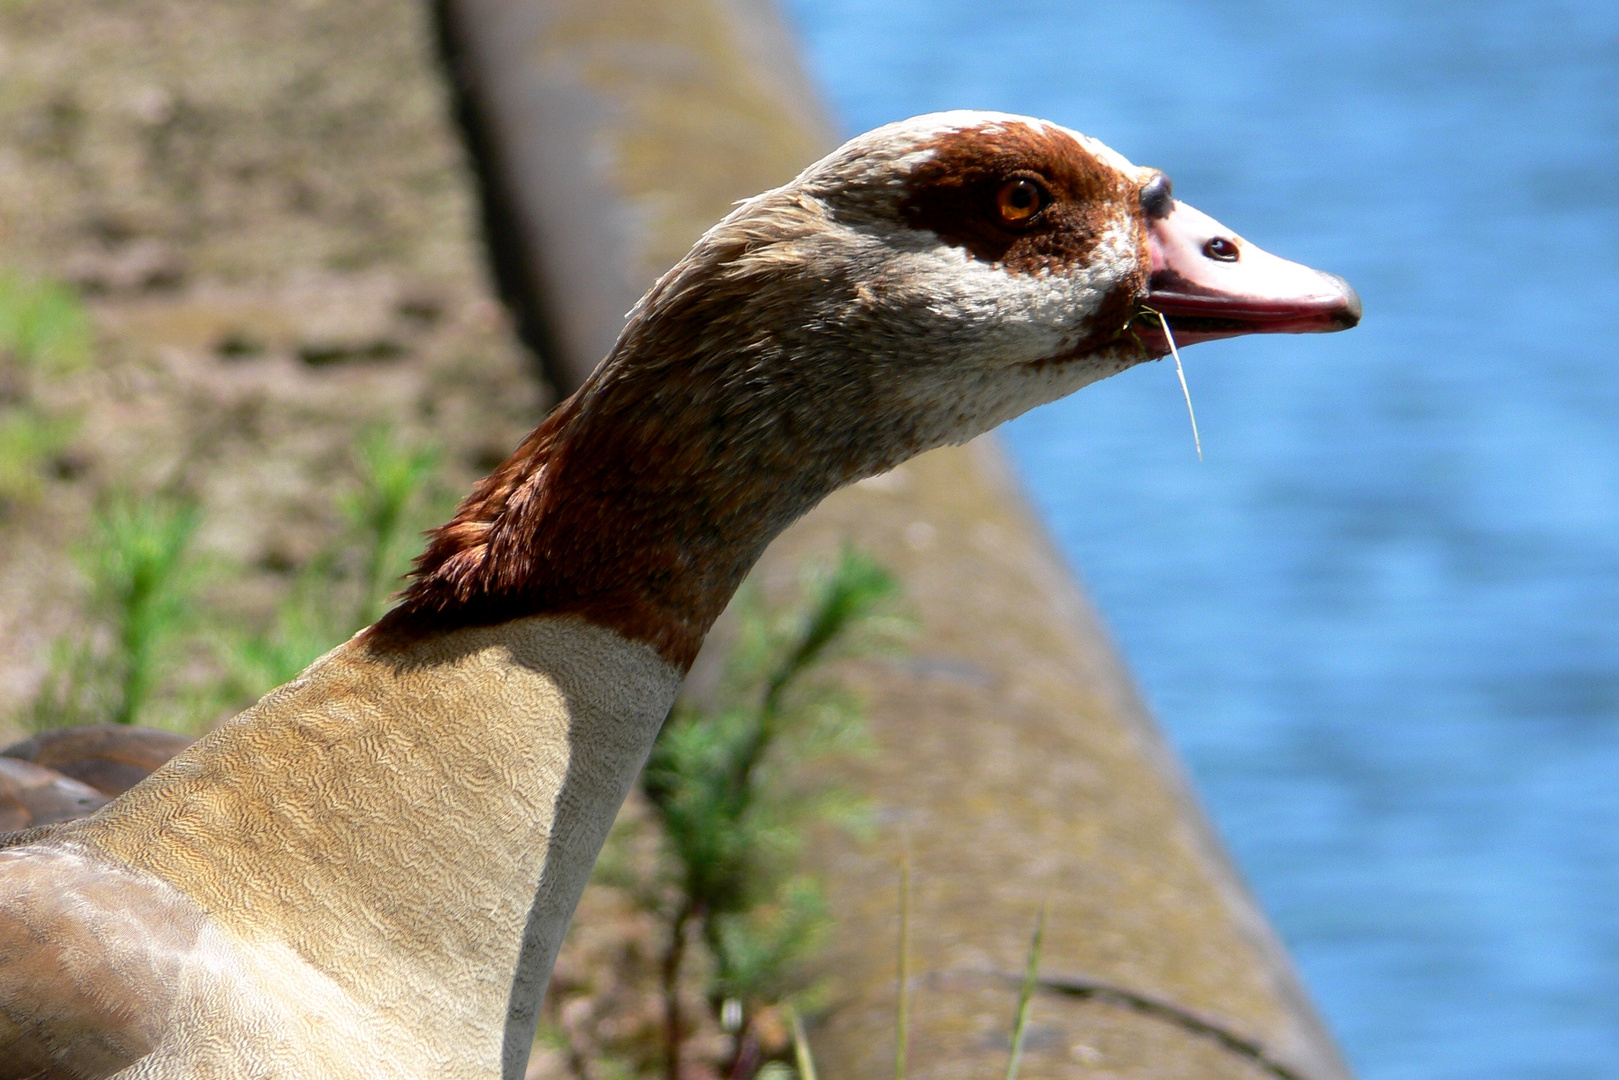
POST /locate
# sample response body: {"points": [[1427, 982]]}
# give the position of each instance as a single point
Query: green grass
{"points": [[140, 612], [44, 334], [139, 607], [393, 477], [29, 441], [143, 618], [43, 326], [1031, 977], [306, 626], [135, 562], [732, 821], [347, 585]]}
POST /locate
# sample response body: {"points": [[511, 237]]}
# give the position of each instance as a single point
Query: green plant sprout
{"points": [[392, 476], [43, 326], [136, 563], [44, 332], [140, 588], [731, 835], [1031, 978], [305, 627], [28, 440], [142, 581], [395, 477]]}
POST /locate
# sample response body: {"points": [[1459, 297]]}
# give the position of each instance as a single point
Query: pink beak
{"points": [[1210, 283]]}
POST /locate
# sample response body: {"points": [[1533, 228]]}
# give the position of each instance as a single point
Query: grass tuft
{"points": [[139, 606], [135, 564], [43, 326], [44, 333], [29, 440], [731, 826], [128, 664], [1031, 977], [347, 585], [393, 475]]}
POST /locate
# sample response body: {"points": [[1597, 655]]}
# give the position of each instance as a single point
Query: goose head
{"points": [[918, 286], [953, 270]]}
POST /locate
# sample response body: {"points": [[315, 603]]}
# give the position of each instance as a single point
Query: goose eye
{"points": [[1222, 249], [1019, 200]]}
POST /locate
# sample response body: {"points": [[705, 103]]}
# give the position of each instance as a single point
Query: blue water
{"points": [[1381, 620]]}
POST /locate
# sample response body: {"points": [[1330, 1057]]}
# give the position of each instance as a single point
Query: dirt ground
{"points": [[267, 211]]}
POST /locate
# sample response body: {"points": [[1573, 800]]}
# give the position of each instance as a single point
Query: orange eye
{"points": [[1019, 199]]}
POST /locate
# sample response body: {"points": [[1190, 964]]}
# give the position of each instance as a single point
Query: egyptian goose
{"points": [[369, 872]]}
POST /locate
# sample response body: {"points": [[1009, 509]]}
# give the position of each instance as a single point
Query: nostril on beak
{"points": [[1157, 198], [1222, 249]]}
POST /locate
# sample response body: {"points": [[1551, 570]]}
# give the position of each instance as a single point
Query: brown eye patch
{"points": [[1029, 199]]}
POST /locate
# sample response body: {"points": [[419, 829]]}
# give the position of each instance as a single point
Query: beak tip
{"points": [[1348, 313]]}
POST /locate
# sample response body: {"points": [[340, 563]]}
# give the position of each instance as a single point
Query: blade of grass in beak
{"points": [[1181, 373]]}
